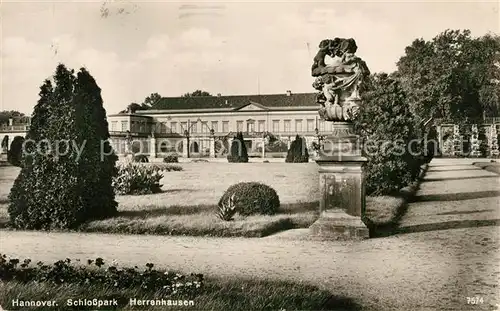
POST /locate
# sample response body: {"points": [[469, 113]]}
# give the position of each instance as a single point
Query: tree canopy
{"points": [[149, 102], [6, 115], [453, 76], [197, 93]]}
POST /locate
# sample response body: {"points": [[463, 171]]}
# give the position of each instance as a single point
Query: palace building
{"points": [[206, 122], [200, 122]]}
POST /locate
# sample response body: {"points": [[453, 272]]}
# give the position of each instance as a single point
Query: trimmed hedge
{"points": [[15, 152], [389, 130], [238, 152], [298, 151], [252, 198]]}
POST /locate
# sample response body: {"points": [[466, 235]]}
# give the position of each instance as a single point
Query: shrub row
{"points": [[96, 272], [385, 117]]}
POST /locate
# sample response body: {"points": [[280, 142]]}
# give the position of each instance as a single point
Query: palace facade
{"points": [[205, 122]]}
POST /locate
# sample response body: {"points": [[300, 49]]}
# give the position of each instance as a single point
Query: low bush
{"points": [[138, 179], [141, 158], [252, 198], [171, 158], [298, 151], [96, 272], [170, 168]]}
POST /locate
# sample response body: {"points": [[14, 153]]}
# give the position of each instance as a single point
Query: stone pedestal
{"points": [[342, 142], [342, 188], [335, 224]]}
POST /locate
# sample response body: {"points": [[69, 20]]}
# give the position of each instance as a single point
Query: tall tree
{"points": [[451, 76], [6, 115], [151, 101]]}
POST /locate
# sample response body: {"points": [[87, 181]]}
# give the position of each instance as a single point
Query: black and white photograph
{"points": [[249, 155]]}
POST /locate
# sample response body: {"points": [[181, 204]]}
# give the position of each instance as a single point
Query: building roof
{"points": [[236, 101], [128, 114]]}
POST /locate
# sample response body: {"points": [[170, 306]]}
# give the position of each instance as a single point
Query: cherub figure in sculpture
{"points": [[340, 79]]}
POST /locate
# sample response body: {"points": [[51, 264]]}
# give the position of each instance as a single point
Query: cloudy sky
{"points": [[136, 48]]}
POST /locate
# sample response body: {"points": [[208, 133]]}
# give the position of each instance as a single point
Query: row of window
{"points": [[135, 126], [205, 126], [252, 126]]}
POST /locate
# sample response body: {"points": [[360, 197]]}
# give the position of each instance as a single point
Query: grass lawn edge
{"points": [[407, 194]]}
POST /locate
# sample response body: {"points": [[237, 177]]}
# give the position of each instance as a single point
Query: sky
{"points": [[136, 48]]}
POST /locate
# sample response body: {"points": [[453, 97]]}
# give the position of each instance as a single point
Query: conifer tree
{"points": [[298, 151], [64, 182], [238, 152], [14, 154]]}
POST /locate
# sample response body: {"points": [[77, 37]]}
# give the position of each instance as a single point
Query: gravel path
{"points": [[450, 251]]}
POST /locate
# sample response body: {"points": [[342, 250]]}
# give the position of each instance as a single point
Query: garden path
{"points": [[447, 250]]}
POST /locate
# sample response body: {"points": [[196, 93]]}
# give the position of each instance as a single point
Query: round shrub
{"points": [[252, 198]]}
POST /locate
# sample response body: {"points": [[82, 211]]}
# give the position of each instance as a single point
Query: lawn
{"points": [[220, 295], [492, 166], [186, 205]]}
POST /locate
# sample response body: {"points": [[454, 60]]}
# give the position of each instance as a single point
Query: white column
{"points": [[185, 147], [229, 144], [152, 147], [212, 147], [263, 147]]}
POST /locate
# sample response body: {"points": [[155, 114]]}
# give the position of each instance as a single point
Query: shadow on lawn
{"points": [[459, 178], [290, 208], [471, 168], [455, 224], [456, 196], [336, 303], [466, 212]]}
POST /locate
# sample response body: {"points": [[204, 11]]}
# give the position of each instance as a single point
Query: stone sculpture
{"points": [[339, 80]]}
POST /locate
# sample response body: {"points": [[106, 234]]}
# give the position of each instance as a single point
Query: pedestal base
{"points": [[338, 225]]}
